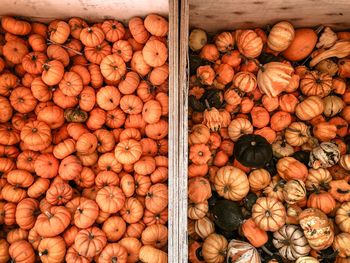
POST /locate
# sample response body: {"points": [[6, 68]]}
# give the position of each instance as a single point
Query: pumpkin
{"points": [[113, 67], [249, 43], [321, 200], [4, 255], [274, 77], [268, 214], [259, 179], [340, 190], [227, 215], [275, 189], [252, 145], [52, 249], [113, 252], [314, 83], [53, 72], [344, 162], [297, 133], [197, 39], [15, 26], [197, 210], [157, 198], [316, 227], [342, 218], [231, 183], [280, 36], [253, 233], [152, 255], [195, 252], [14, 51], [22, 251], [155, 53], [282, 149], [309, 108], [26, 212], [214, 248], [302, 45], [325, 155], [240, 251], [318, 178], [340, 246], [90, 242], [294, 191], [289, 168], [325, 131], [291, 242]]}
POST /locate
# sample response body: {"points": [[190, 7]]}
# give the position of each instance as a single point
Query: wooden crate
{"points": [[219, 15], [123, 10]]}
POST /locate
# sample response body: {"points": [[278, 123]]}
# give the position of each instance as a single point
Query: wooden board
{"points": [[93, 10], [218, 15]]}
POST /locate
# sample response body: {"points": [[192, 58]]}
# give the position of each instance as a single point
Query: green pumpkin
{"points": [[253, 151], [227, 215], [75, 115], [214, 97], [195, 104], [249, 201]]}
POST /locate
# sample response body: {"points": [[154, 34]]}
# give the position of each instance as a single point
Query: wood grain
{"points": [[92, 10], [219, 15]]}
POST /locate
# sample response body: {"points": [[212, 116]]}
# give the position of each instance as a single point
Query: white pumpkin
{"points": [[325, 155], [291, 242], [282, 149]]}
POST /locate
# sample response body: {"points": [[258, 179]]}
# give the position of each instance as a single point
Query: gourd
{"points": [[227, 215], [317, 228], [253, 145], [239, 251], [340, 49], [291, 242], [325, 155], [274, 77]]}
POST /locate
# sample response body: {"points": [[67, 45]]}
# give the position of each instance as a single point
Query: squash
{"points": [[294, 191], [281, 36], [317, 228], [269, 214], [289, 168], [325, 155], [197, 39], [291, 242], [274, 77], [256, 236], [239, 251], [214, 249], [302, 45], [231, 183], [253, 145], [227, 215]]}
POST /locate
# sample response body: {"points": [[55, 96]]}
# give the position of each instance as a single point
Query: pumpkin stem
{"points": [[267, 251], [114, 260], [42, 253], [68, 48], [315, 189], [48, 214], [207, 104], [319, 29]]}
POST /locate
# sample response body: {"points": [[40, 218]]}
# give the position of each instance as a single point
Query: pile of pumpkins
{"points": [[83, 140], [269, 150]]}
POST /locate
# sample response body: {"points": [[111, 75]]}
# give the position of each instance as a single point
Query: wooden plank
{"points": [[183, 134], [173, 181], [219, 15], [92, 10]]}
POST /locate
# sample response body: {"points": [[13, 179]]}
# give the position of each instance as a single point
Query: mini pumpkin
{"points": [[240, 251], [317, 228], [291, 242], [325, 155], [269, 214], [294, 191]]}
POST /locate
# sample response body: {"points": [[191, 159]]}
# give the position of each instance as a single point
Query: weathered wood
{"points": [[218, 15], [173, 153], [92, 10], [183, 134]]}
